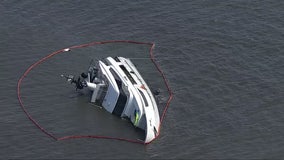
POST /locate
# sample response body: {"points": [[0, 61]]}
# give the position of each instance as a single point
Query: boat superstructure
{"points": [[119, 88]]}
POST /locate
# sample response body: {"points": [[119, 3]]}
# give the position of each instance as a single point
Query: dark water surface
{"points": [[224, 61]]}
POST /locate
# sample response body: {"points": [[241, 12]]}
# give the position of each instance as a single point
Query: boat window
{"points": [[101, 95], [116, 77], [116, 59], [122, 98], [120, 104], [127, 74], [144, 98], [155, 131]]}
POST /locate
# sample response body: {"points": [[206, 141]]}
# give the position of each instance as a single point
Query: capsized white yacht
{"points": [[119, 88]]}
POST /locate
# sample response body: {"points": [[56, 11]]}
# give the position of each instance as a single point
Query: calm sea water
{"points": [[224, 61]]}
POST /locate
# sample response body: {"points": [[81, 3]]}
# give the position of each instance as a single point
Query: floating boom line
{"points": [[51, 135]]}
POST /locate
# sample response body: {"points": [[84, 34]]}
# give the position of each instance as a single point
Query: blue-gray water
{"points": [[224, 61]]}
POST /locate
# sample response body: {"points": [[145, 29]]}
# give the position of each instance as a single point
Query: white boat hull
{"points": [[120, 89]]}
